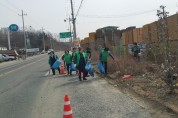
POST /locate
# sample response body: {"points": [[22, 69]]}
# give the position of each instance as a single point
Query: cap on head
{"points": [[66, 51], [106, 49], [74, 48], [88, 49], [52, 51], [135, 43]]}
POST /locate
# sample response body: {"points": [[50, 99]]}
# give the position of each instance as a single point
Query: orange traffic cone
{"points": [[67, 108], [62, 70]]}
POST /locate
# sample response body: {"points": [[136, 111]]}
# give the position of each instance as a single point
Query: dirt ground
{"points": [[148, 84], [153, 87], [147, 79]]}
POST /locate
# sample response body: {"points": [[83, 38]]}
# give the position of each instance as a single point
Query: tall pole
{"points": [[43, 40], [73, 21], [25, 41], [70, 29], [50, 43], [8, 38]]}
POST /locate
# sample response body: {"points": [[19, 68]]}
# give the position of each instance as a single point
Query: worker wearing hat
{"points": [[52, 59], [104, 57]]}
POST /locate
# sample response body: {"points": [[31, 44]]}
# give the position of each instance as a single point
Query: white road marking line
{"points": [[47, 73]]}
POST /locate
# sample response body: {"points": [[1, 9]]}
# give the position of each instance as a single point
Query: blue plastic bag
{"points": [[89, 69], [56, 64], [101, 68], [72, 67]]}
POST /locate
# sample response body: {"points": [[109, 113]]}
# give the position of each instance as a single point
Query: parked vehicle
{"points": [[8, 58], [42, 52], [1, 58], [32, 51]]}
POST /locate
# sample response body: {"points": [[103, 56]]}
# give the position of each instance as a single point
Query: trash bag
{"points": [[101, 68], [126, 77], [89, 69], [56, 64], [72, 67]]}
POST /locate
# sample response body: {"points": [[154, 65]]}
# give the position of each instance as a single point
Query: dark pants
{"points": [[105, 66], [68, 71], [136, 56], [53, 70], [82, 71]]}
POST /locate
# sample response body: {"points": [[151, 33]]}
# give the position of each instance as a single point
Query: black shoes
{"points": [[84, 79], [81, 79]]}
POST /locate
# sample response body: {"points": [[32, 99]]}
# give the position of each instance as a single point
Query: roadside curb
{"points": [[167, 105]]}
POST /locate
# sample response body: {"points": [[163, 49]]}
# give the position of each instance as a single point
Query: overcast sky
{"points": [[93, 14]]}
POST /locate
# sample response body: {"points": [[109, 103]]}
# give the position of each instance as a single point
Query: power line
{"points": [[12, 10], [13, 5], [119, 16], [79, 9], [34, 21], [25, 41]]}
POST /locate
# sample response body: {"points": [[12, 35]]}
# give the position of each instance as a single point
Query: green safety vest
{"points": [[78, 57], [55, 56], [105, 55], [74, 57], [68, 58]]}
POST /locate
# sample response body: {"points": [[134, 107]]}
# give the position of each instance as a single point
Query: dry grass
{"points": [[128, 65], [123, 64]]}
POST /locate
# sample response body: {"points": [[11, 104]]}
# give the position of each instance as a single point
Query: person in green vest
{"points": [[74, 51], [63, 60], [136, 51], [68, 61], [52, 59], [88, 55], [81, 60], [104, 57], [88, 52]]}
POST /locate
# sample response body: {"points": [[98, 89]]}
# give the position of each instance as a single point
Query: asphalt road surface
{"points": [[28, 91]]}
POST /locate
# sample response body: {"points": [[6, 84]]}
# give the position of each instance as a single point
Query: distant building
{"points": [[3, 30], [3, 48]]}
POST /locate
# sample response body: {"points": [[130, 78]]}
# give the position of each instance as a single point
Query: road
{"points": [[26, 91]]}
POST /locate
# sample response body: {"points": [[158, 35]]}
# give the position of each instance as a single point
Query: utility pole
{"points": [[25, 42], [43, 39], [70, 29], [51, 44], [73, 21], [8, 38]]}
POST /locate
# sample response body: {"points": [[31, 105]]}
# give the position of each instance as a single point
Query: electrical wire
{"points": [[34, 22], [79, 8], [66, 8], [12, 10], [119, 16], [13, 5]]}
